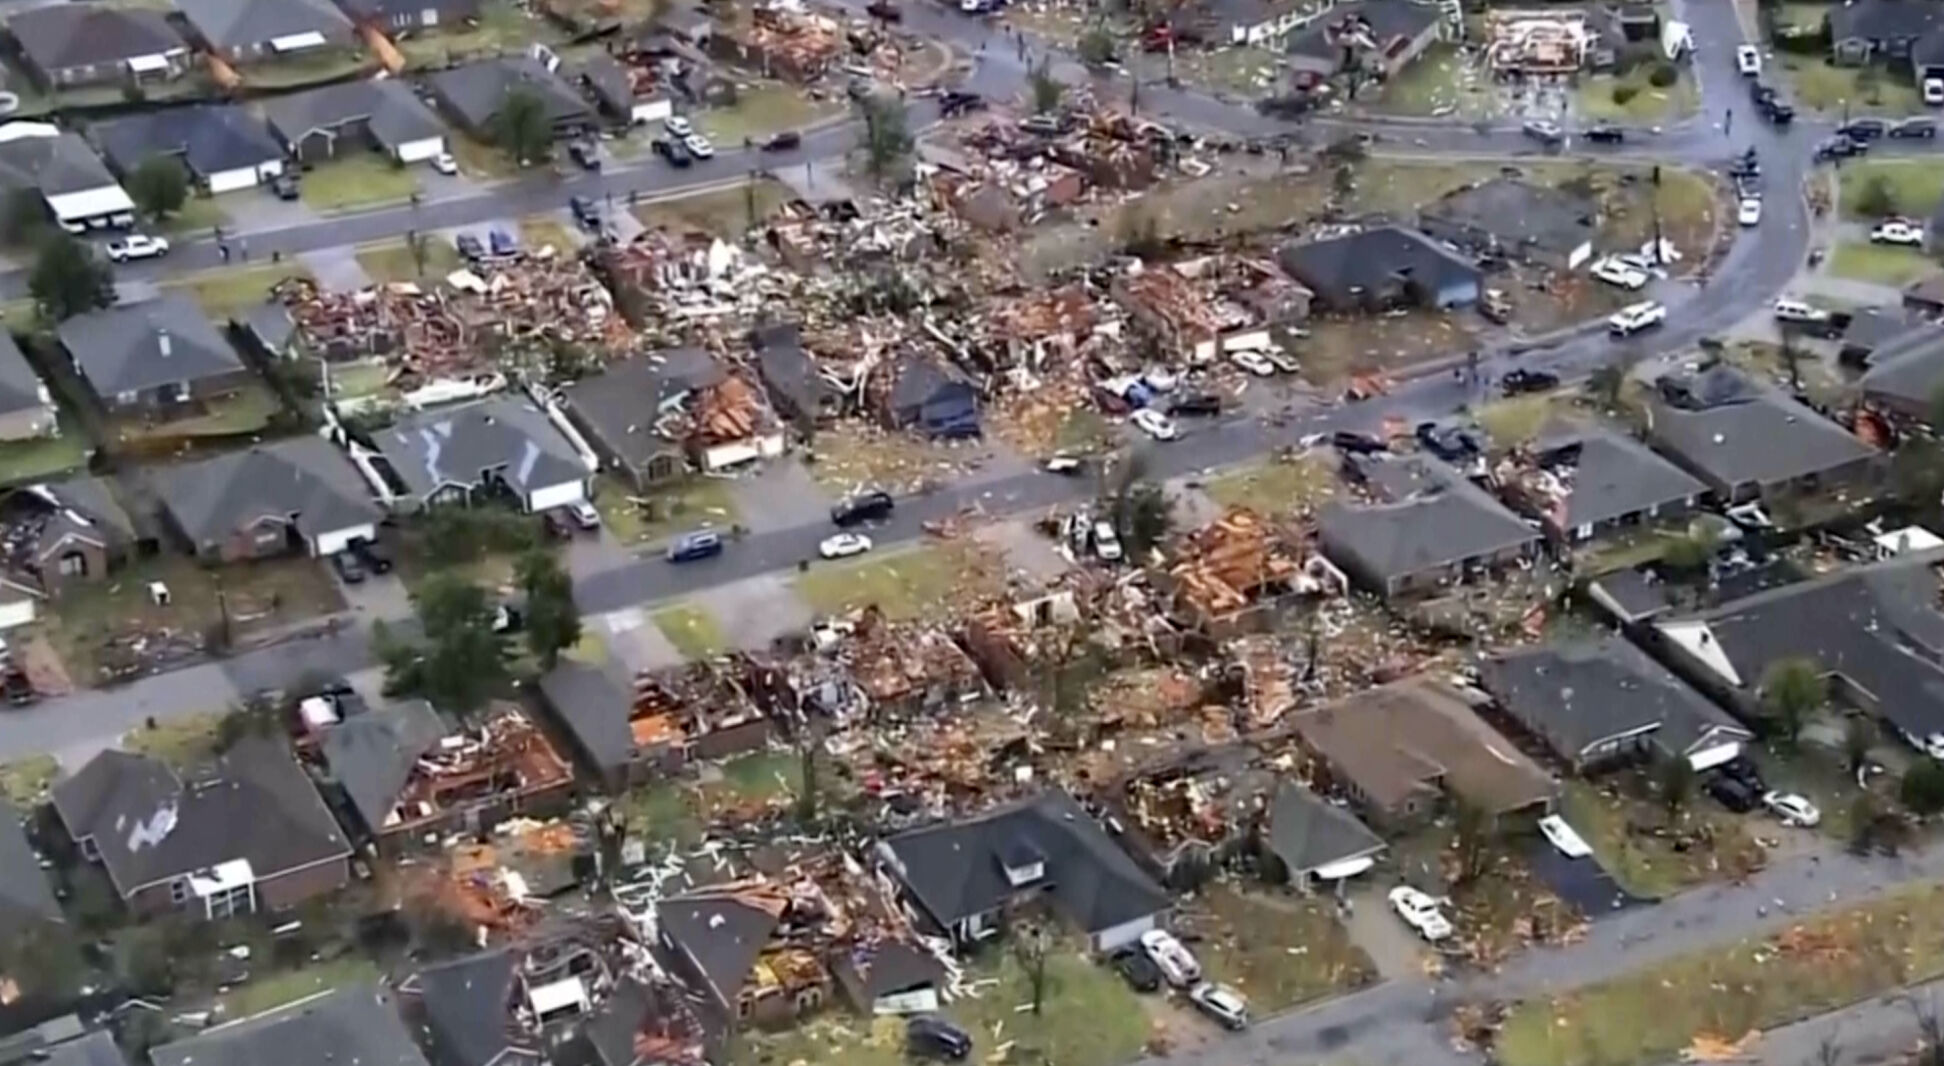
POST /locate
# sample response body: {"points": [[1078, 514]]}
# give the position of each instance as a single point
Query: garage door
{"points": [[18, 613], [556, 496], [338, 540], [1709, 758], [420, 150], [233, 180]]}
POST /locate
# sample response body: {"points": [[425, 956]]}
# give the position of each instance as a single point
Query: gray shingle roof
{"points": [[476, 91], [1884, 20], [1341, 270], [1307, 832], [1907, 370], [1614, 474], [25, 896], [1434, 529], [237, 23], [1518, 215], [1580, 693], [59, 36], [137, 347], [455, 445], [113, 781], [594, 706], [1761, 439], [622, 403], [20, 387], [208, 138], [372, 755], [303, 476], [465, 1004], [53, 166], [954, 870], [394, 114], [356, 1025], [724, 936]]}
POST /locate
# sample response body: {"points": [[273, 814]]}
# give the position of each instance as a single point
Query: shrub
{"points": [[1624, 94], [1663, 76]]}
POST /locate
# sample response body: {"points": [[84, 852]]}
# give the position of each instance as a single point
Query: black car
{"points": [[1915, 129], [673, 150], [1777, 111], [1357, 443], [955, 102], [1201, 404], [18, 688], [585, 154], [375, 556], [285, 187], [863, 507], [469, 247], [585, 213], [884, 11], [1864, 130], [1521, 381], [1140, 972], [1732, 794], [1745, 771], [1606, 134], [934, 1037], [788, 140], [1840, 147], [349, 569], [1446, 442]]}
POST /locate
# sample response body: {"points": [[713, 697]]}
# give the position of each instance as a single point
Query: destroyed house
{"points": [[248, 833], [1401, 749], [1012, 640], [1427, 528], [779, 44], [729, 942], [1380, 37], [474, 93], [627, 93], [1597, 702], [466, 454], [297, 496], [61, 533], [909, 666], [1237, 562], [355, 1023], [969, 878], [1874, 633], [1381, 269], [1196, 812], [1515, 219], [651, 725], [1170, 307], [1905, 374], [158, 353], [1749, 442], [923, 393], [653, 417], [1586, 481], [796, 384]]}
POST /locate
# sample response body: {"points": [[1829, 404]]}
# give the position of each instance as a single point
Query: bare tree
{"points": [[1930, 1031], [1828, 1052]]}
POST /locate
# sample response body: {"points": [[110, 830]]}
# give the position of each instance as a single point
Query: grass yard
{"points": [[362, 179], [32, 460], [247, 410], [1915, 186], [907, 584], [1277, 951], [1825, 87], [1440, 82], [199, 214], [502, 27], [664, 511], [1884, 264], [225, 292], [1649, 854], [480, 160], [274, 990], [756, 779], [1516, 419], [1276, 485], [320, 67], [693, 630], [363, 377], [539, 231], [1241, 70], [763, 109], [1594, 97], [1827, 961], [393, 260], [726, 213], [180, 742], [25, 781]]}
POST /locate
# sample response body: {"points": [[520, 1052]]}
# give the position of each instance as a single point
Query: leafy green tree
{"points": [[521, 128], [1791, 689], [1922, 789], [1858, 738], [1606, 383], [1674, 776], [1142, 514], [159, 186], [1096, 46], [1878, 199], [1047, 91], [68, 280], [461, 661], [886, 138], [552, 619], [23, 218]]}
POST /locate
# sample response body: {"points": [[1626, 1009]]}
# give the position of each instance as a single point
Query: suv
{"points": [[1606, 133], [692, 546], [584, 211], [1864, 130], [137, 246], [284, 186], [1521, 381], [1915, 128], [374, 556], [349, 569], [783, 142], [954, 102], [469, 247], [863, 507], [930, 1036], [586, 154], [1546, 133], [673, 150], [1732, 794]]}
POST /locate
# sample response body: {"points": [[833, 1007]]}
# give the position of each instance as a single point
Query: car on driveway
{"points": [[1748, 60], [137, 246], [444, 163], [375, 556], [349, 569], [1633, 318], [1792, 809], [1154, 424], [1139, 971], [844, 545], [932, 1037], [1897, 231], [1420, 912], [1222, 1003], [584, 515], [1563, 837], [469, 247], [1254, 362], [1176, 962], [1614, 272], [284, 187], [1732, 794], [677, 125]]}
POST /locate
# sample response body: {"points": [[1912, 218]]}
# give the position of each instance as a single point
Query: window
{"points": [[231, 902], [73, 564], [178, 891]]}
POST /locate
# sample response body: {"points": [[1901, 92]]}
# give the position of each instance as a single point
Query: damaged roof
{"points": [[1344, 271], [306, 481], [145, 346], [1388, 21], [722, 933], [26, 899], [372, 754], [958, 869], [459, 445], [623, 403], [1753, 436], [1515, 215], [356, 1024], [1579, 695], [1442, 521], [465, 1003], [1613, 475], [595, 706]]}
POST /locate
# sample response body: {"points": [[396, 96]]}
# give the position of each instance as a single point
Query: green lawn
{"points": [[224, 292], [1276, 485], [1438, 83], [274, 990], [309, 68], [1594, 97], [248, 409], [761, 110], [907, 584], [1649, 854], [480, 160], [539, 231], [1915, 186], [25, 781], [1885, 264], [1277, 951], [199, 215], [1825, 87], [1516, 419], [502, 27], [393, 260], [31, 460], [1826, 961], [360, 179], [693, 630], [361, 378], [664, 511], [725, 213], [183, 741]]}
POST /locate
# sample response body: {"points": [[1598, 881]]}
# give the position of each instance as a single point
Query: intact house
{"points": [[222, 147], [1748, 442], [248, 31], [1381, 37], [474, 93], [1874, 633], [55, 535], [467, 453], [1888, 32], [357, 1023], [1515, 219], [1925, 296], [396, 18], [1424, 528], [1602, 701], [796, 384], [619, 91], [1311, 841], [1905, 373], [920, 392], [245, 835], [290, 497], [27, 409], [1380, 269], [68, 45], [152, 355], [1584, 481], [1399, 750], [27, 905], [355, 117], [653, 417], [67, 175], [969, 877]]}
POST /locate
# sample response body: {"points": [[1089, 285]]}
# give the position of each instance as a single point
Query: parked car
{"points": [[1614, 272], [1106, 542], [1788, 310], [930, 1036], [444, 163], [1922, 129], [1606, 133], [786, 141], [701, 544], [1154, 424], [1175, 962], [1066, 465], [469, 247], [1222, 1003], [18, 687], [1897, 231], [699, 146], [349, 569], [884, 11], [1546, 133], [1357, 443], [864, 507], [677, 125], [1253, 362], [502, 242], [137, 246], [1139, 971], [284, 186], [375, 556], [584, 514], [1776, 110], [585, 153], [1838, 147], [673, 149], [1196, 404], [1633, 318], [1562, 836], [1282, 361], [955, 102], [555, 524], [1864, 130], [1495, 306], [1731, 793], [844, 545], [1520, 381], [1749, 211], [1792, 809], [1420, 912], [1748, 60], [1934, 91], [585, 213]]}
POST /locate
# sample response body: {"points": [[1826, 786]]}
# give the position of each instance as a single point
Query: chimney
{"points": [[162, 342]]}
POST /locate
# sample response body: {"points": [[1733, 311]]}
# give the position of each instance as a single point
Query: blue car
{"points": [[503, 242], [692, 546]]}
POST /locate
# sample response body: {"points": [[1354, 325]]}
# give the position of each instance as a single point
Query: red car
{"points": [[1163, 37]]}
